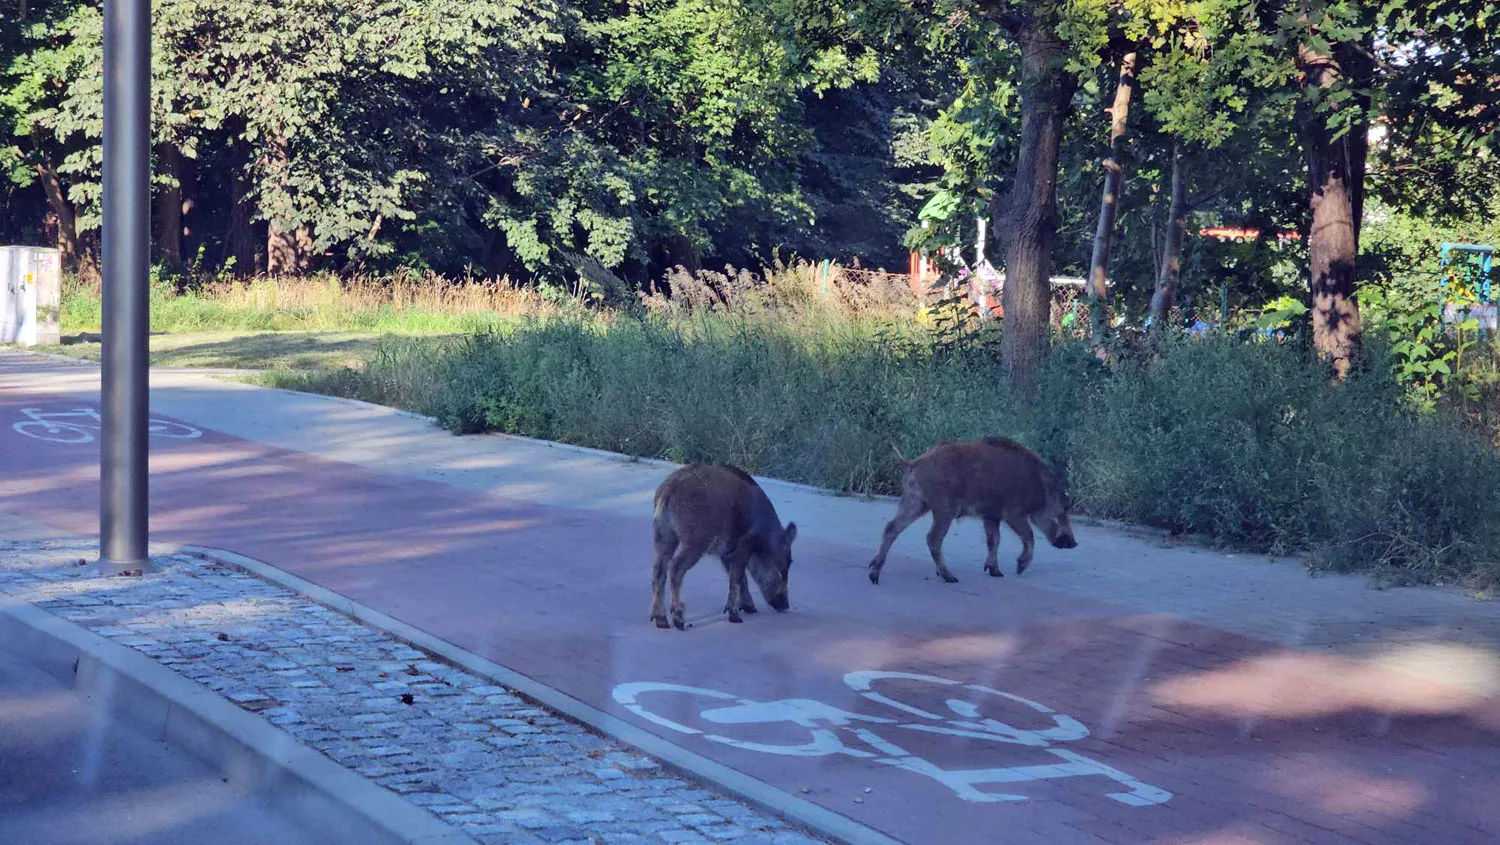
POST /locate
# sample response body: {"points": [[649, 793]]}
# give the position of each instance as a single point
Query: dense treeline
{"points": [[609, 141], [507, 137]]}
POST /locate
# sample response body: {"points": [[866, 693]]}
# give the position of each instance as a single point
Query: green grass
{"points": [[313, 323], [1244, 442], [402, 306]]}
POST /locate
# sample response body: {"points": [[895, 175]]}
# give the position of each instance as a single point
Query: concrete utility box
{"points": [[30, 295]]}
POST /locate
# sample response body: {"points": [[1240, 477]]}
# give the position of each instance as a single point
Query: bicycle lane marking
{"points": [[805, 713], [76, 425], [811, 715]]}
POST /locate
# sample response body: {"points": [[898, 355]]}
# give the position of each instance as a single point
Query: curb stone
{"points": [[325, 797]]}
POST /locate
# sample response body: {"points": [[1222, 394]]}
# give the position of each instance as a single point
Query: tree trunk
{"points": [[239, 241], [1335, 178], [682, 253], [192, 235], [1171, 259], [1109, 205], [1026, 217], [76, 255], [169, 209], [288, 251]]}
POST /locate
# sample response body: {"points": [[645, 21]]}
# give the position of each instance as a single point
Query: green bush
{"points": [[1245, 442], [1249, 444]]}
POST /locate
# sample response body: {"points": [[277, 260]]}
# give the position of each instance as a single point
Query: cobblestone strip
{"points": [[471, 752]]}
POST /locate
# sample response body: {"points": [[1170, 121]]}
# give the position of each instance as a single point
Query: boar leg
{"points": [[747, 601], [940, 524], [910, 510], [685, 558], [1019, 524], [992, 547], [665, 546], [735, 562]]}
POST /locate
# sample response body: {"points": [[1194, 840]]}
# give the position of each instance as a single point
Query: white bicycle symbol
{"points": [[825, 724], [79, 425]]}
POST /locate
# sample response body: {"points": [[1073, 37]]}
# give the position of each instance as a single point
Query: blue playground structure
{"points": [[1465, 284]]}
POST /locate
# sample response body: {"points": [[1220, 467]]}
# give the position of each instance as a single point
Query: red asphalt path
{"points": [[1192, 734]]}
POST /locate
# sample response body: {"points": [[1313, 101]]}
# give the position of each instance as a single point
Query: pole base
{"points": [[115, 568]]}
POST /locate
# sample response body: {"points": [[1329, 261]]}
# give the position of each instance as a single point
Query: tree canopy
{"points": [[532, 138]]}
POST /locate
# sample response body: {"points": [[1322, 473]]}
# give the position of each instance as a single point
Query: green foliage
{"points": [[1279, 313], [40, 61], [1422, 356], [1440, 107], [523, 138], [687, 131], [972, 136], [1248, 443], [416, 131], [807, 401], [1404, 298], [389, 305]]}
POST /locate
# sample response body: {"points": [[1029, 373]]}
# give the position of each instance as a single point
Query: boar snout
{"points": [[773, 584], [1060, 534], [773, 571]]}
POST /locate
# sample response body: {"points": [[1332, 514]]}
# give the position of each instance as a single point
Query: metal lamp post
{"points": [[127, 265]]}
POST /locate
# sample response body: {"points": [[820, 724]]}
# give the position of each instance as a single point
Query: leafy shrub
{"points": [[1250, 445]]}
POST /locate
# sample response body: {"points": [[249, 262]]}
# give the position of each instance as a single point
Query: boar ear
{"points": [[789, 534]]}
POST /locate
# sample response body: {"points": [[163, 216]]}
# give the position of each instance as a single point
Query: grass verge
{"points": [[405, 305], [321, 322], [241, 350], [1244, 442]]}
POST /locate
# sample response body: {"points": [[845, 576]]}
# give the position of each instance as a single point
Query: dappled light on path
{"points": [[1291, 685]]}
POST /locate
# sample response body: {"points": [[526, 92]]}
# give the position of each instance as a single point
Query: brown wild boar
{"points": [[995, 479], [720, 511]]}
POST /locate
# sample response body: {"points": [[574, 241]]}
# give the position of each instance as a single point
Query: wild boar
{"points": [[994, 479], [721, 511]]}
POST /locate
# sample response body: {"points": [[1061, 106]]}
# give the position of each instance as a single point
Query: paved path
{"points": [[72, 777], [1122, 692]]}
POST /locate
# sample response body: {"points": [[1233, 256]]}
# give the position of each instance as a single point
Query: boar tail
{"points": [[661, 527], [661, 503]]}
